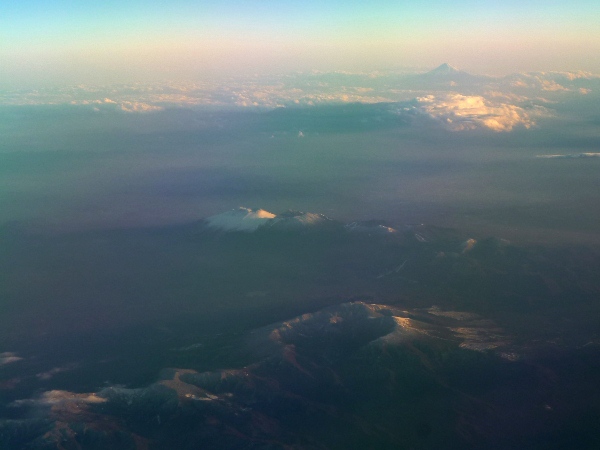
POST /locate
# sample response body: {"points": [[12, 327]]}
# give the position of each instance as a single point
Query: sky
{"points": [[53, 42]]}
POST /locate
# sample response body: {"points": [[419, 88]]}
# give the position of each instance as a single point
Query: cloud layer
{"points": [[456, 99]]}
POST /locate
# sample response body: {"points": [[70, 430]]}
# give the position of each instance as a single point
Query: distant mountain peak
{"points": [[249, 220], [446, 73], [240, 219], [445, 69]]}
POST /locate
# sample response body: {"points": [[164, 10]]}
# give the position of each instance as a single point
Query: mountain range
{"points": [[260, 331]]}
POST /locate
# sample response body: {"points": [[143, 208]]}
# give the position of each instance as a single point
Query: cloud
{"points": [[553, 82], [8, 358], [550, 85], [506, 96], [54, 371], [571, 156], [60, 399], [519, 84], [466, 112], [575, 75], [139, 107], [318, 88]]}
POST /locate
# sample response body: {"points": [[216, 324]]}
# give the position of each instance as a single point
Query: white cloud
{"points": [[8, 358], [506, 96], [571, 156], [555, 82], [465, 112], [571, 76], [139, 107], [519, 84], [307, 89], [553, 86]]}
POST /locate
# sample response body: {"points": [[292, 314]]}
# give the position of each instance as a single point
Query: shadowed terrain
{"points": [[447, 341]]}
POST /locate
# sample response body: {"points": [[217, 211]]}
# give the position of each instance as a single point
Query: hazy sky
{"points": [[70, 41]]}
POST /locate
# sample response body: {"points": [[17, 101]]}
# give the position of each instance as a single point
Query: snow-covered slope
{"points": [[444, 69], [240, 219], [249, 220], [369, 227], [290, 220]]}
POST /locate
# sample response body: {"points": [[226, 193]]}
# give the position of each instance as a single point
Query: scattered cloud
{"points": [[571, 156], [519, 84], [556, 82], [549, 85], [54, 371], [465, 112], [575, 75], [467, 102], [60, 398], [139, 107], [8, 358], [9, 384], [506, 96]]}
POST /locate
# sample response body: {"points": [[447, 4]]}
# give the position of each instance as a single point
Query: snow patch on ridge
{"points": [[246, 219], [240, 219], [296, 219]]}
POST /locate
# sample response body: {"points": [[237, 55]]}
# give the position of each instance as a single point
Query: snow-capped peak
{"points": [[445, 69], [240, 219], [246, 219]]}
